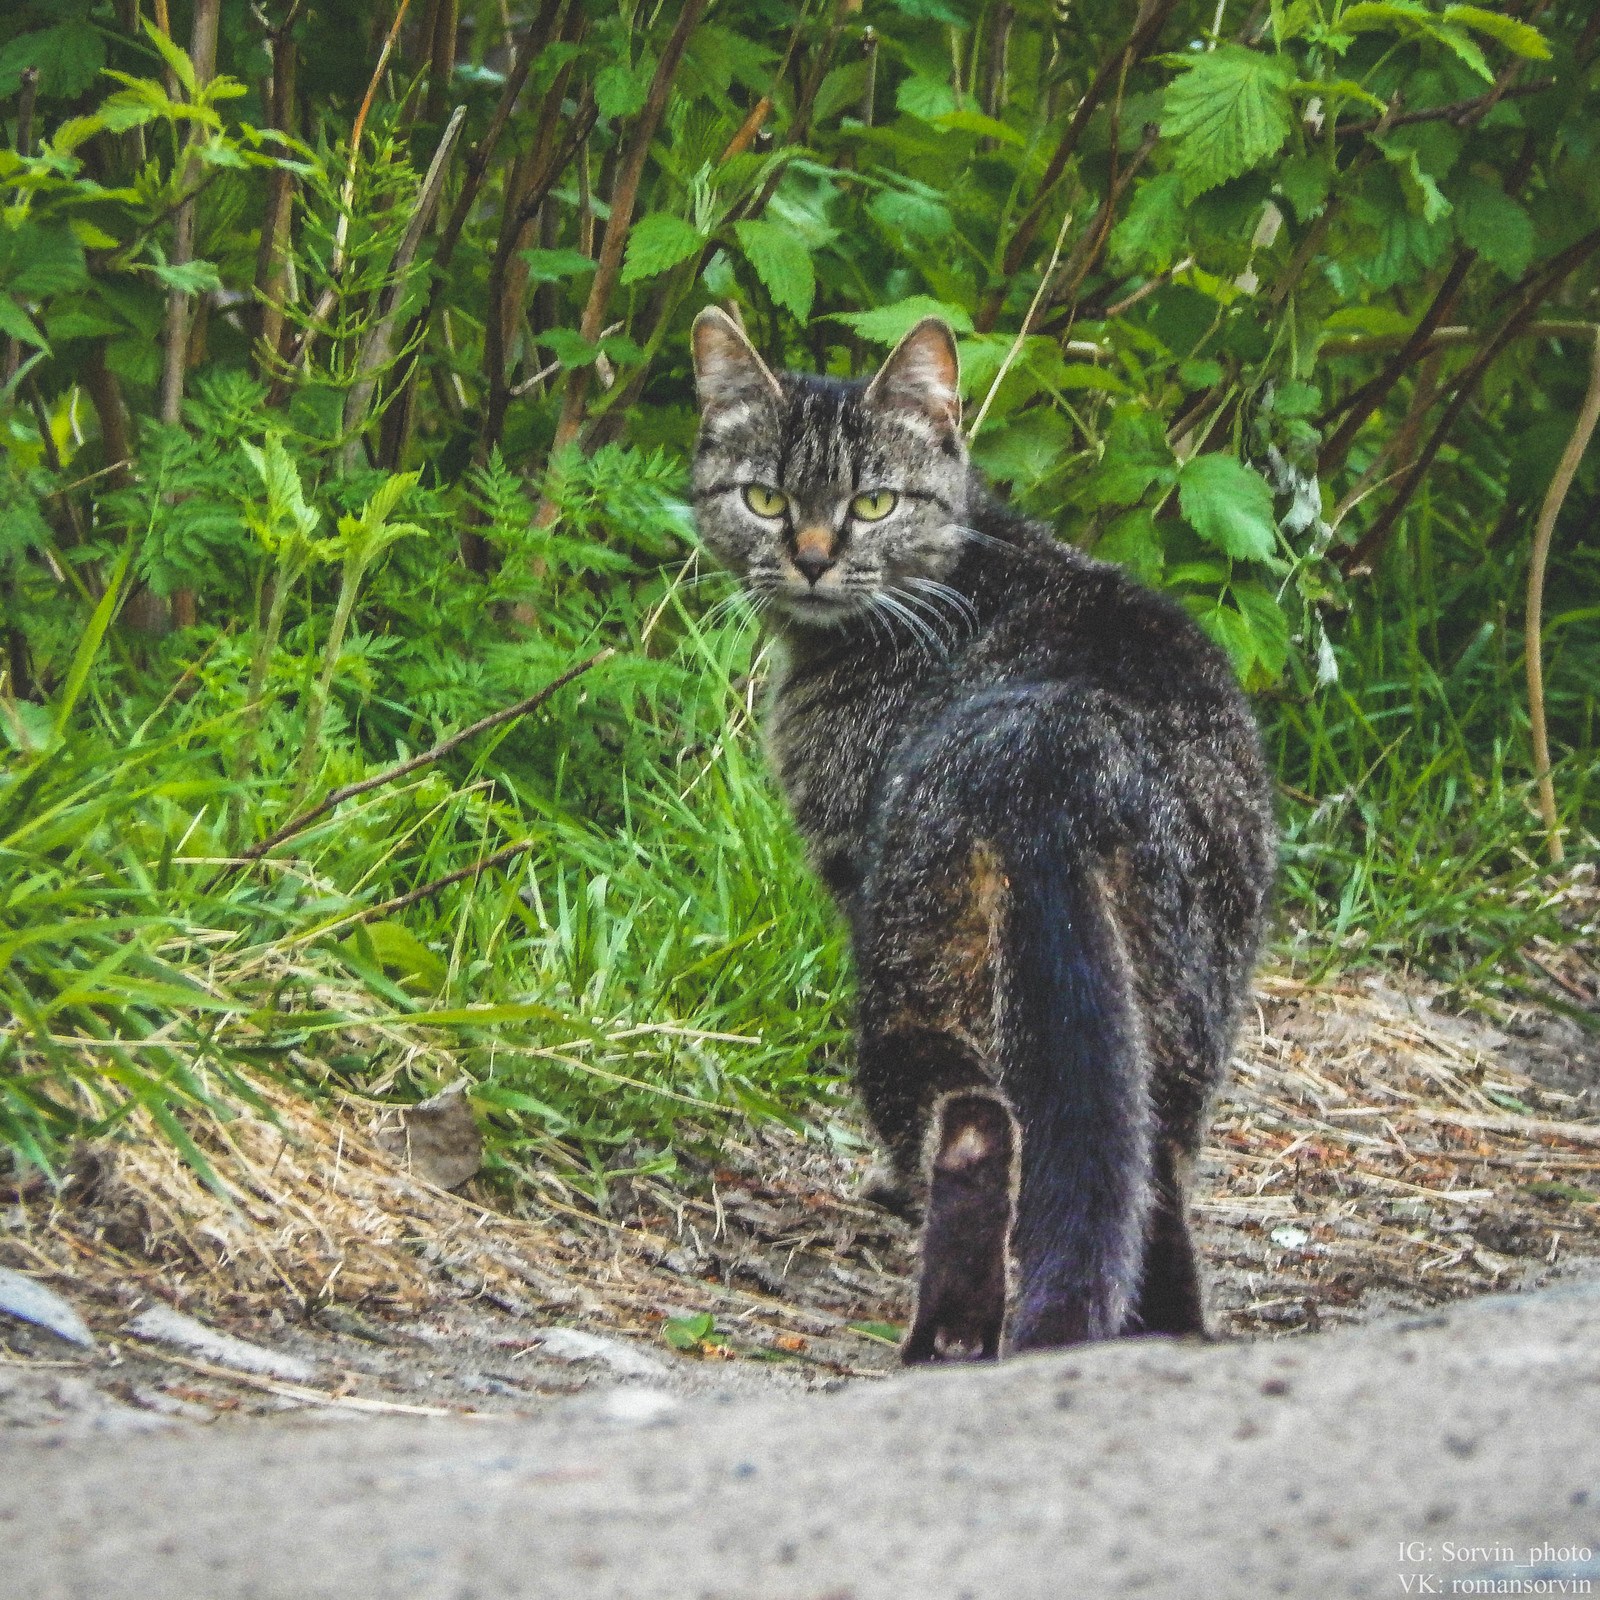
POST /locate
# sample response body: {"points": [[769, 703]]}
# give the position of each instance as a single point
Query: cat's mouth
{"points": [[819, 605]]}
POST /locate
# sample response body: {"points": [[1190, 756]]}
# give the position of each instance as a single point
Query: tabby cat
{"points": [[1038, 794]]}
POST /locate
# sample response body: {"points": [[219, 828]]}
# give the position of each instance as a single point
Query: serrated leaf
{"points": [[781, 262], [1492, 223], [1229, 505], [887, 325], [657, 243], [179, 63], [1269, 631], [621, 90], [69, 58], [39, 259], [1423, 196], [1304, 181], [1227, 112], [1229, 629], [913, 214], [1134, 542], [550, 266], [1152, 232], [187, 277], [1517, 37]]}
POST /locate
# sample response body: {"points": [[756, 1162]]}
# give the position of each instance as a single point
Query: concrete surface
{"points": [[1454, 1453]]}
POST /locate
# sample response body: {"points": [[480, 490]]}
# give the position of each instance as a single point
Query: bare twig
{"points": [[1373, 395], [1453, 112], [1023, 331], [1582, 431], [1532, 292], [1152, 16], [624, 195], [437, 753], [401, 901]]}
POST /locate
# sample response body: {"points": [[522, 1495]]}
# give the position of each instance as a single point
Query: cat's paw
{"points": [[883, 1186]]}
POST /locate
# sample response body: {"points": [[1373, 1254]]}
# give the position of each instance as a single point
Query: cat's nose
{"points": [[813, 567], [813, 552]]}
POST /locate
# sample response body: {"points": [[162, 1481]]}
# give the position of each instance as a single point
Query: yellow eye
{"points": [[874, 507], [766, 502]]}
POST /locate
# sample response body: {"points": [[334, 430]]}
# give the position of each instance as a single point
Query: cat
{"points": [[1038, 795]]}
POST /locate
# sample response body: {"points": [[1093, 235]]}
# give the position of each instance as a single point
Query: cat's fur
{"points": [[1038, 794]]}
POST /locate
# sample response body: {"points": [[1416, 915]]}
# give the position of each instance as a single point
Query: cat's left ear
{"points": [[923, 373]]}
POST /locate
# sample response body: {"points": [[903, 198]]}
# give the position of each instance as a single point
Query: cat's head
{"points": [[830, 498]]}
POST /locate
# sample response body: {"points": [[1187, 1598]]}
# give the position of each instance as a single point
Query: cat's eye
{"points": [[766, 502], [874, 507]]}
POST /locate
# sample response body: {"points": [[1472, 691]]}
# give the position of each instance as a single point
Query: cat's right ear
{"points": [[727, 370]]}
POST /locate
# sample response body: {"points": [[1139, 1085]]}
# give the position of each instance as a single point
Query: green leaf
{"points": [[985, 127], [187, 277], [933, 11], [179, 63], [1304, 181], [782, 263], [1492, 223], [1269, 630], [1227, 112], [659, 242], [1517, 37], [925, 98], [550, 266], [1153, 230], [843, 87], [1229, 505], [912, 214], [887, 325], [570, 347], [1132, 541], [16, 322], [621, 90], [69, 58], [37, 260], [1423, 197]]}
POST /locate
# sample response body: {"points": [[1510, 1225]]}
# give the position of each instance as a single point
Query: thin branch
{"points": [[1533, 644], [1022, 332], [427, 758], [1130, 300], [1373, 394], [380, 342], [401, 901], [1455, 112], [1147, 26], [1535, 290], [624, 196]]}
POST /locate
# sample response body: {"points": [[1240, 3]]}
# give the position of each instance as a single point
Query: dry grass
{"points": [[1372, 1151]]}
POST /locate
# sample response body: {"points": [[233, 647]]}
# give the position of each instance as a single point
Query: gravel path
{"points": [[1436, 1454]]}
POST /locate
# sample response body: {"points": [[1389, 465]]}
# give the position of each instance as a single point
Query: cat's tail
{"points": [[1075, 1067]]}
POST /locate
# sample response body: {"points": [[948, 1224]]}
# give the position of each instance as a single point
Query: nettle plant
{"points": [[1264, 302]]}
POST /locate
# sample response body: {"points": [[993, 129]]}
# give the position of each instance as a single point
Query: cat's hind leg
{"points": [[1170, 1296], [972, 1192]]}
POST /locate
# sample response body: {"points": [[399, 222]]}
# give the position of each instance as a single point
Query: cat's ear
{"points": [[923, 374], [727, 370]]}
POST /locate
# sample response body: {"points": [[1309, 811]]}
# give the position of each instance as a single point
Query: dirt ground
{"points": [[1376, 1151]]}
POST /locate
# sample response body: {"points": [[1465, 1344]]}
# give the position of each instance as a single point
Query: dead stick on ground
{"points": [[438, 752], [1582, 431], [295, 1391]]}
